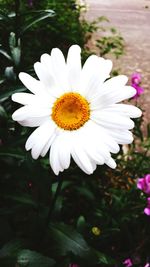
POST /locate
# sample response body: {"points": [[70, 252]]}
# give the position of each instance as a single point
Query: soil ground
{"points": [[132, 19]]}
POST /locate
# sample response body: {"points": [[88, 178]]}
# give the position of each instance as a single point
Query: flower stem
{"points": [[54, 199]]}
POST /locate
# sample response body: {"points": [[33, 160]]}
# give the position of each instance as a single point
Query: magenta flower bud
{"points": [[73, 265], [135, 82], [136, 78], [144, 184], [128, 262], [139, 90], [147, 209]]}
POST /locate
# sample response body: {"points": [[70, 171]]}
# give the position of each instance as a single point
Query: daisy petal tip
{"points": [[44, 56], [131, 140], [36, 65], [133, 91], [55, 171], [34, 156], [55, 51], [27, 148], [121, 79], [139, 113], [13, 116], [27, 145], [111, 163], [109, 62], [13, 97], [76, 47], [22, 76]]}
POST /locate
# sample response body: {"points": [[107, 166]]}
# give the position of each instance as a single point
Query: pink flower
{"points": [[128, 262], [139, 90], [147, 265], [73, 265], [136, 78], [144, 184], [147, 209], [135, 82]]}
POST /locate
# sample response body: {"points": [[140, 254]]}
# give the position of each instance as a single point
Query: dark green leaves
{"points": [[14, 252], [31, 258], [15, 48], [68, 240], [7, 93], [39, 16]]}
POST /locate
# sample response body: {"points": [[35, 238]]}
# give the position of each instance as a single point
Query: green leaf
{"points": [[5, 54], [9, 251], [3, 112], [13, 252], [86, 193], [4, 16], [18, 154], [22, 199], [81, 223], [15, 50], [104, 258], [68, 240], [31, 258], [44, 14], [8, 93], [64, 185], [11, 248], [10, 74]]}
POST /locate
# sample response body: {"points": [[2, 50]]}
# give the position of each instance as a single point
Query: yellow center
{"points": [[70, 111], [96, 231]]}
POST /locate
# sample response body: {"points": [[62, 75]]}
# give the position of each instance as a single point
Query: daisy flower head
{"points": [[76, 110]]}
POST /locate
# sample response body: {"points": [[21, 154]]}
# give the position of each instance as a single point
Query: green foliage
{"points": [[111, 44]]}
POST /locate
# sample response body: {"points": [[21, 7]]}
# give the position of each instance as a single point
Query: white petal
{"points": [[90, 148], [112, 97], [82, 160], [65, 149], [32, 84], [121, 137], [46, 78], [112, 120], [115, 82], [95, 71], [74, 66], [102, 140], [97, 139], [48, 144], [79, 155], [54, 157], [111, 163], [26, 112], [23, 98], [47, 63], [124, 109], [38, 139], [60, 70], [33, 122]]}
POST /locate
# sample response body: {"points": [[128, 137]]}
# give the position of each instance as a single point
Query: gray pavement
{"points": [[132, 19]]}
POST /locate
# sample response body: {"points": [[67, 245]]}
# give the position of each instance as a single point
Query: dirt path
{"points": [[132, 19]]}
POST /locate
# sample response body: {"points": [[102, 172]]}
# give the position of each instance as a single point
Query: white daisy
{"points": [[75, 110]]}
